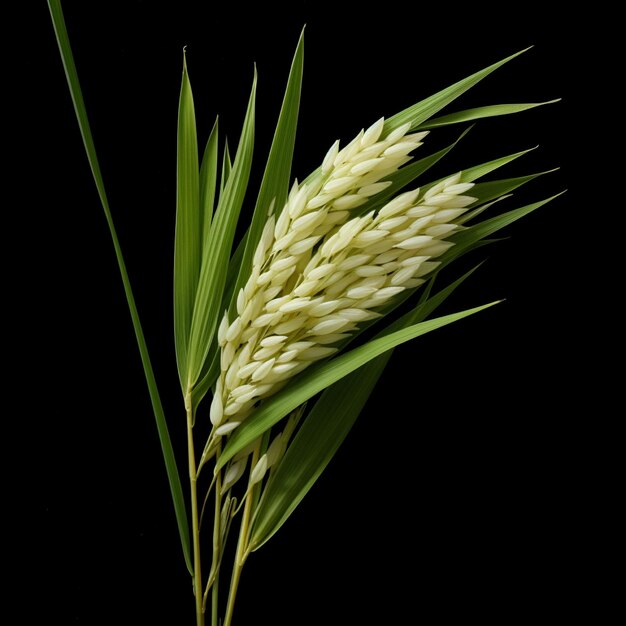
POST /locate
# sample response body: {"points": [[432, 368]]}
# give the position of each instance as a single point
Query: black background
{"points": [[453, 496]]}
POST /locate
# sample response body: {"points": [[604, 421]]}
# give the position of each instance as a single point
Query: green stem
{"points": [[215, 601], [213, 582], [195, 525], [242, 544]]}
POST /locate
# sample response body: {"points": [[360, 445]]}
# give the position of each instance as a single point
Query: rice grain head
{"points": [[315, 278]]}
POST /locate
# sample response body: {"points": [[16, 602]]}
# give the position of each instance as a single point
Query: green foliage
{"points": [[209, 271]]}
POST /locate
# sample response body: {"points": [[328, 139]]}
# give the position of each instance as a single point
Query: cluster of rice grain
{"points": [[316, 273]]}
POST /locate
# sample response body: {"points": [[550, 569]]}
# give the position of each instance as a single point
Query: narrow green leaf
{"points": [[471, 174], [476, 232], [420, 112], [276, 179], [227, 165], [211, 368], [484, 192], [317, 378], [275, 186], [217, 250], [188, 224], [325, 429], [469, 115], [317, 441], [481, 208], [471, 238], [208, 182], [83, 122]]}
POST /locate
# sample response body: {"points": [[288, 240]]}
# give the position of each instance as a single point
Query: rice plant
{"points": [[270, 327]]}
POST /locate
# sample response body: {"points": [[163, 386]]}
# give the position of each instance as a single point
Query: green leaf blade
{"points": [[317, 378], [467, 238], [276, 179], [173, 476], [317, 441], [187, 244], [469, 115], [326, 427], [216, 253], [208, 182], [421, 111], [493, 189]]}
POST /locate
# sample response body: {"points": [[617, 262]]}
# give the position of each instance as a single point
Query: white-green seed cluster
{"points": [[316, 273]]}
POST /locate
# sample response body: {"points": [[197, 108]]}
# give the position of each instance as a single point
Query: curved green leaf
{"points": [[478, 113], [324, 430], [317, 378], [472, 234], [421, 111]]}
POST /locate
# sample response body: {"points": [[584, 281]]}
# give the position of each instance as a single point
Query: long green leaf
{"points": [[211, 367], [274, 186], [324, 430], [208, 182], [486, 228], [471, 238], [317, 441], [187, 246], [83, 122], [218, 248], [276, 179], [420, 112], [484, 192], [470, 174], [319, 377], [469, 115]]}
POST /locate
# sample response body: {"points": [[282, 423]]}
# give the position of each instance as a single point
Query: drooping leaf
{"points": [[317, 378], [187, 248], [83, 122]]}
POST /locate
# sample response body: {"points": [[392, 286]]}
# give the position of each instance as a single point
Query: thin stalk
{"points": [[195, 520], [213, 582], [215, 601], [216, 550], [242, 544]]}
